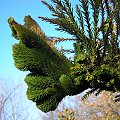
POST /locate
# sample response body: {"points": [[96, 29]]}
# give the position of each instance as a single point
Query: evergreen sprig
{"points": [[96, 64], [64, 17], [92, 49], [33, 53]]}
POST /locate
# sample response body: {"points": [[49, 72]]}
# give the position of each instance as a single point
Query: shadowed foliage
{"points": [[96, 63]]}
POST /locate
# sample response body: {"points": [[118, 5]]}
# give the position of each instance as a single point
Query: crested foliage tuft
{"points": [[95, 27]]}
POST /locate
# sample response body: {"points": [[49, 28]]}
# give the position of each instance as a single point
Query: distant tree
{"points": [[101, 107], [96, 64], [11, 105]]}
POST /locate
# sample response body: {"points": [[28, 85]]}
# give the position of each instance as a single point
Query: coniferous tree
{"points": [[96, 63]]}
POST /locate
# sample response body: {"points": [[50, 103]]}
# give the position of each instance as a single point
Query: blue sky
{"points": [[18, 9]]}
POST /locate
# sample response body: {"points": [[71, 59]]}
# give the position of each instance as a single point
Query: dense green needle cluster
{"points": [[95, 24], [46, 65], [96, 63]]}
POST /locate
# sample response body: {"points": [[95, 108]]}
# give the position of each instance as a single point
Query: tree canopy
{"points": [[96, 65]]}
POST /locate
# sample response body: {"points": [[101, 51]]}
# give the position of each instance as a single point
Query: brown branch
{"points": [[58, 39]]}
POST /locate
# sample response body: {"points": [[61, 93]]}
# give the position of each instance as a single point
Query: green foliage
{"points": [[68, 84], [97, 52], [46, 64], [43, 91], [96, 65]]}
